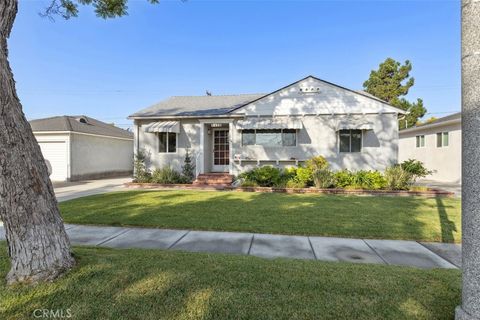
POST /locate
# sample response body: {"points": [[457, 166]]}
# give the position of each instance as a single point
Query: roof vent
{"points": [[82, 120], [310, 90]]}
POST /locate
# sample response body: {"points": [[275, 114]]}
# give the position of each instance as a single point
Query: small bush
{"points": [[416, 168], [140, 172], [247, 184], [324, 178], [317, 163], [304, 176], [344, 178], [266, 176], [295, 184], [188, 168], [397, 178], [167, 175], [371, 180]]}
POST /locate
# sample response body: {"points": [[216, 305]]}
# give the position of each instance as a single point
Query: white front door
{"points": [[221, 150]]}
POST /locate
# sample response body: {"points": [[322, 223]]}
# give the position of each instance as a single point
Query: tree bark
{"points": [[38, 245]]}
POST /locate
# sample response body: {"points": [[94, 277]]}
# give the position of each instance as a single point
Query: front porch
{"points": [[214, 159]]}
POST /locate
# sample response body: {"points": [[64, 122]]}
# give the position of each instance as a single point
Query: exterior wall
{"points": [[95, 157], [446, 161], [188, 138], [319, 136]]}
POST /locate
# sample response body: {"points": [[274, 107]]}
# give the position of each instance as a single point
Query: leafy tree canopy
{"points": [[391, 82]]}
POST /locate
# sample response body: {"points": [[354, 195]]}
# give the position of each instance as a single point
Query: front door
{"points": [[221, 150]]}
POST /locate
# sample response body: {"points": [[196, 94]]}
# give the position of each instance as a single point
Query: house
{"points": [[438, 145], [80, 147], [234, 133]]}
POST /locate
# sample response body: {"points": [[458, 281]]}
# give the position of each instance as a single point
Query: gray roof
{"points": [[197, 105], [76, 124], [454, 116]]}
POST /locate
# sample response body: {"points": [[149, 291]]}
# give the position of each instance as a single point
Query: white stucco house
{"points": [[80, 147], [234, 133], [438, 145]]}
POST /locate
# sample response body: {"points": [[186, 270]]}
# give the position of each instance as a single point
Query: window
{"points": [[350, 140], [420, 141], [270, 137], [442, 139], [167, 142]]}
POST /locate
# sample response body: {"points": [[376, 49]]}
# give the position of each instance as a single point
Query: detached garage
{"points": [[81, 148]]}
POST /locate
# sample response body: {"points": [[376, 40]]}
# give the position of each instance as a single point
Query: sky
{"points": [[108, 69]]}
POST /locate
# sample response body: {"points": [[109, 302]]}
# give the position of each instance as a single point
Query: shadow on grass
{"points": [[448, 227]]}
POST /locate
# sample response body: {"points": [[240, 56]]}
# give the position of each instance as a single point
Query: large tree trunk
{"points": [[38, 245]]}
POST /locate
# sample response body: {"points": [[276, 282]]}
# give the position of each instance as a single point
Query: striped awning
{"points": [[163, 126], [354, 125], [275, 123]]}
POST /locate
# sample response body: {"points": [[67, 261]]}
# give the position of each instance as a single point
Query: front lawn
{"points": [[155, 284], [412, 218]]}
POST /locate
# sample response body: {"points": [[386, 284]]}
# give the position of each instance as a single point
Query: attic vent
{"points": [[82, 120], [310, 90]]}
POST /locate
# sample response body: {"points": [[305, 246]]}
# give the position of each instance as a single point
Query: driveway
{"points": [[447, 186], [71, 190]]}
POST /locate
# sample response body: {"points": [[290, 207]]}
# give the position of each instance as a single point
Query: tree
{"points": [[391, 82], [188, 168], [38, 246]]}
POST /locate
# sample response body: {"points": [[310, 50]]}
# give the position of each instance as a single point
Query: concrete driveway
{"points": [[447, 186], [71, 190]]}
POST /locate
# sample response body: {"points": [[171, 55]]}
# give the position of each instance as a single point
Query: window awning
{"points": [[354, 125], [277, 123], [163, 126]]}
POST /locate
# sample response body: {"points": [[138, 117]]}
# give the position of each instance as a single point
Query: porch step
{"points": [[214, 179]]}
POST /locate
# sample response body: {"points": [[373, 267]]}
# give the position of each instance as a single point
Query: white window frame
{"points": [[350, 147], [281, 133], [158, 143], [441, 139], [419, 137]]}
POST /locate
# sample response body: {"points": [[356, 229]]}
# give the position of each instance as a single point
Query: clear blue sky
{"points": [[108, 69]]}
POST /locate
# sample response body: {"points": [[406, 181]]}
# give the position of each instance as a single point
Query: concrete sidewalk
{"points": [[390, 252]]}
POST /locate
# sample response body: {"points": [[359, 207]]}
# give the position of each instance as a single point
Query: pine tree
{"points": [[188, 168]]}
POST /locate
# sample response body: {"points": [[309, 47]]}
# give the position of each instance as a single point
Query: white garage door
{"points": [[56, 155]]}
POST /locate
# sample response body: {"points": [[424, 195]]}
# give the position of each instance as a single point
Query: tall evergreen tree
{"points": [[391, 82], [38, 245]]}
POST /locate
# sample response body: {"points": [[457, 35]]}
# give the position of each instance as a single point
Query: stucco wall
{"points": [[446, 161], [189, 138], [96, 157], [318, 136]]}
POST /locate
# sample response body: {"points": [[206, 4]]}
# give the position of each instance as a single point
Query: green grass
{"points": [[155, 284], [384, 217]]}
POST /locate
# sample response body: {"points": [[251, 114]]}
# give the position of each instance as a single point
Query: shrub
{"points": [[266, 176], [167, 175], [247, 184], [293, 183], [344, 178], [371, 180], [397, 178], [140, 172], [415, 168], [188, 168], [324, 178], [317, 163], [304, 176]]}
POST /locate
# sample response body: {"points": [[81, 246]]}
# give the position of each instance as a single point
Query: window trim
{"points": [[261, 145], [442, 133], [419, 145], [350, 146], [158, 143]]}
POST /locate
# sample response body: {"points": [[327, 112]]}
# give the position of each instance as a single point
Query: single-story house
{"points": [[80, 147], [438, 144], [234, 133]]}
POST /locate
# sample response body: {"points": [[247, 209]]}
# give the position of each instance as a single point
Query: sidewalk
{"points": [[390, 252]]}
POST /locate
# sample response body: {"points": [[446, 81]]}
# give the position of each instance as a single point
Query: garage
{"points": [[56, 157]]}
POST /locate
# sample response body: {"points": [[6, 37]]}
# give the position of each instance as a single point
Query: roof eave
{"points": [[430, 125]]}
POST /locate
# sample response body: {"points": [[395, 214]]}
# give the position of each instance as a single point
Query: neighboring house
{"points": [[438, 145], [234, 133], [79, 147]]}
